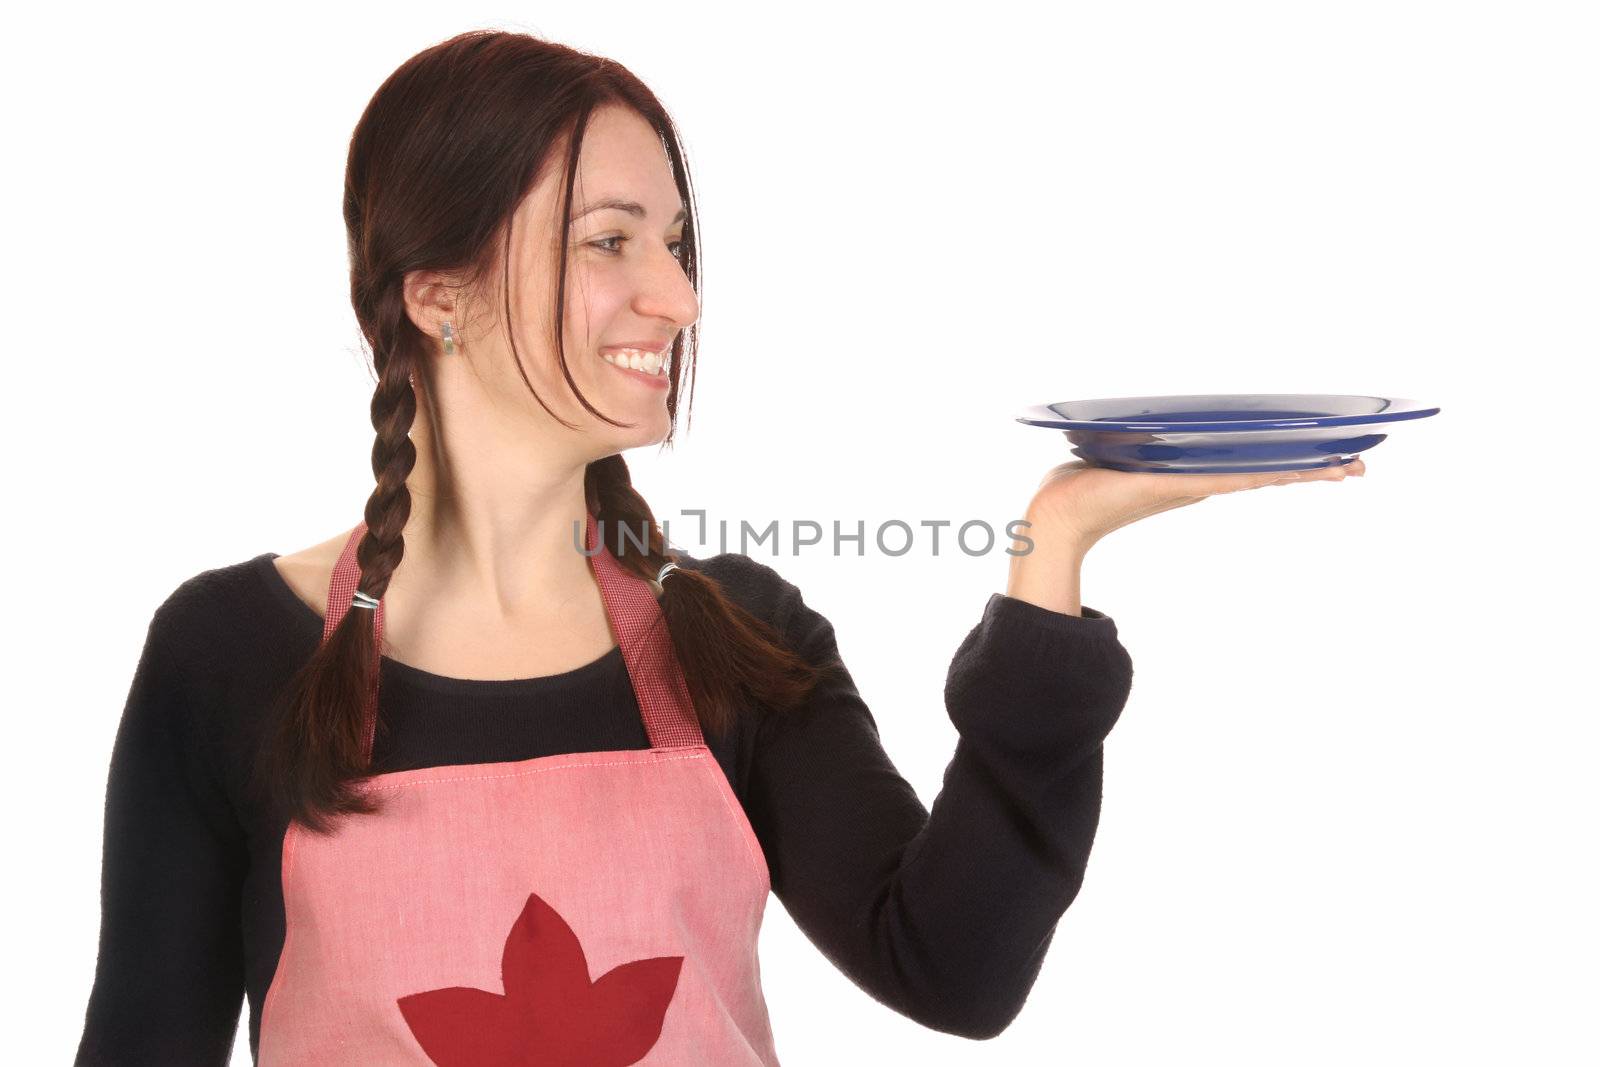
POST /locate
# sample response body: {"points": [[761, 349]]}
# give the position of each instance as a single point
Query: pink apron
{"points": [[592, 908]]}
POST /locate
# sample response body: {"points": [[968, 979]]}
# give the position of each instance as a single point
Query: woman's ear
{"points": [[430, 298]]}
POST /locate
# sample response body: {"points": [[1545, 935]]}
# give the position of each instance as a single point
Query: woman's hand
{"points": [[1077, 504], [1089, 502]]}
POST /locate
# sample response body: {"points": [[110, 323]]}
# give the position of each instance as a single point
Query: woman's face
{"points": [[626, 288]]}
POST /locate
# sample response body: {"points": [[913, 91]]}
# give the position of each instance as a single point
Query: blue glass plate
{"points": [[1224, 433]]}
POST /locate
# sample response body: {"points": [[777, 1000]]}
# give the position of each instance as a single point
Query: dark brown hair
{"points": [[447, 148]]}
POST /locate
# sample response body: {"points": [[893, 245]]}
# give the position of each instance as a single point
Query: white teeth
{"points": [[634, 359]]}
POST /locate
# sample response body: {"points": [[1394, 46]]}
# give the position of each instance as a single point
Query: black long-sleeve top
{"points": [[943, 915]]}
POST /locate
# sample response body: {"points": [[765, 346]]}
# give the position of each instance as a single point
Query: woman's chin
{"points": [[650, 427]]}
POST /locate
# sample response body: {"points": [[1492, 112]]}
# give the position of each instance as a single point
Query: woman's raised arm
{"points": [[944, 916]]}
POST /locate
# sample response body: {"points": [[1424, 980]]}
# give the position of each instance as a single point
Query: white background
{"points": [[1349, 809]]}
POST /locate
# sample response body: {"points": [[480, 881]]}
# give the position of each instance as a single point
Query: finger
{"points": [[1218, 484], [1334, 472]]}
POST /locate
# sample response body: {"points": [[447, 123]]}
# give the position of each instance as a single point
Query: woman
{"points": [[557, 838]]}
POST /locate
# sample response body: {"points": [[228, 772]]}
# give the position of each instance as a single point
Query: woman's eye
{"points": [[604, 244]]}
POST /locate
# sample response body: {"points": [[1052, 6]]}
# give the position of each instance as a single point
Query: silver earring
{"points": [[449, 334]]}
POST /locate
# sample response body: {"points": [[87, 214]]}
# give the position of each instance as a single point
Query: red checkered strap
{"points": [[636, 622]]}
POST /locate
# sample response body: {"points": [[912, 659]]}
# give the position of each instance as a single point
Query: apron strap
{"points": [[636, 621]]}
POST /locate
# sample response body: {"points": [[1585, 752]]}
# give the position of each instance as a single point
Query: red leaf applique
{"points": [[550, 1014]]}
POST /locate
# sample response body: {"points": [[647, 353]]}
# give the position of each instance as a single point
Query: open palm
{"points": [[1095, 500]]}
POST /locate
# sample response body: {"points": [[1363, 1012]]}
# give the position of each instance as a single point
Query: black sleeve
{"points": [[944, 917], [169, 979]]}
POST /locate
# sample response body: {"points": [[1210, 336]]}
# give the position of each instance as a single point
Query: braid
{"points": [[729, 657], [627, 521], [394, 410], [309, 766]]}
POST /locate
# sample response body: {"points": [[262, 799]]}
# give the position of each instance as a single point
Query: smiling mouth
{"points": [[649, 368], [653, 364]]}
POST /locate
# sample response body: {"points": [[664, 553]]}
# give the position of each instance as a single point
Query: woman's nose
{"points": [[666, 291]]}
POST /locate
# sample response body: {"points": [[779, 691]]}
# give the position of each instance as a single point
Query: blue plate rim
{"points": [[1400, 410]]}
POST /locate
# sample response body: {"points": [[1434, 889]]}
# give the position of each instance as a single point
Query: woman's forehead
{"points": [[623, 167]]}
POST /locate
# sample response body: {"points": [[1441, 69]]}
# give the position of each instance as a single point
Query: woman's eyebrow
{"points": [[630, 206]]}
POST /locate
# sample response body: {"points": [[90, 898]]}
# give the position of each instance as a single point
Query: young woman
{"points": [[552, 837]]}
